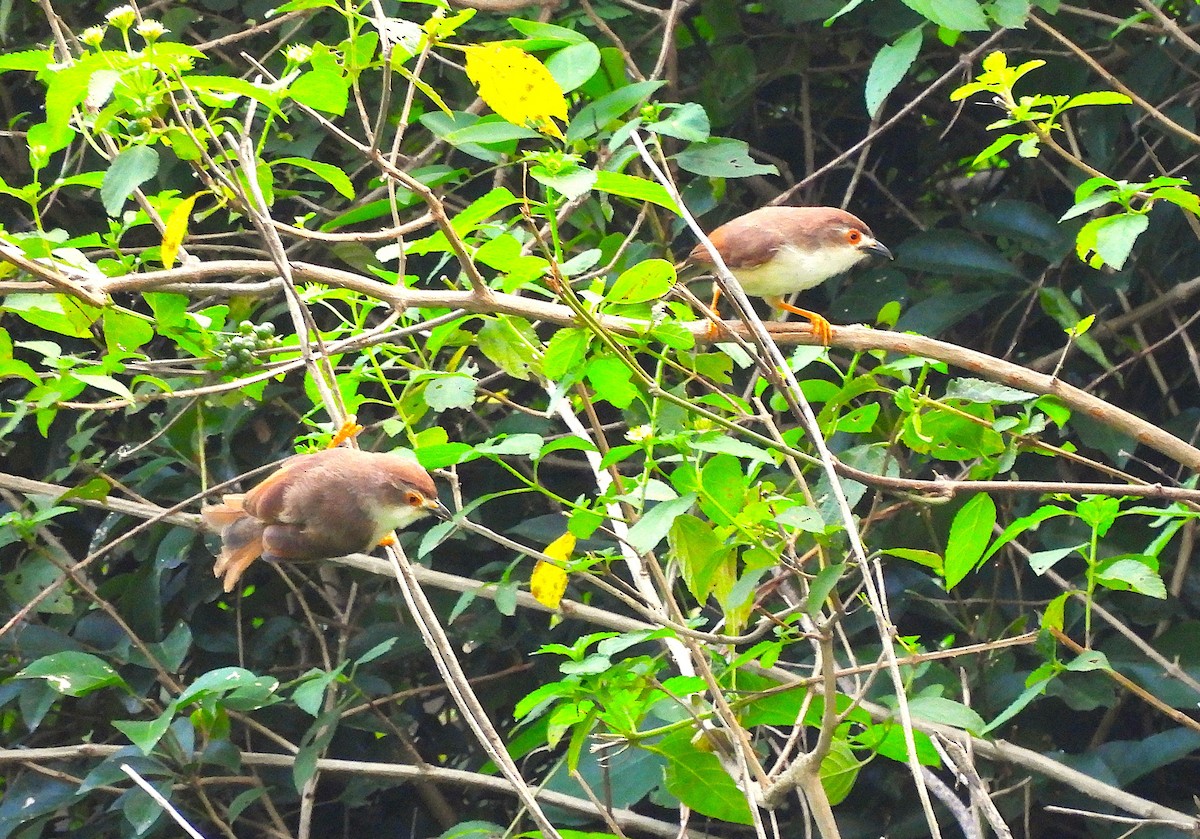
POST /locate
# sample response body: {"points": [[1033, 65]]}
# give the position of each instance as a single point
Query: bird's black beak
{"points": [[876, 248], [437, 508]]}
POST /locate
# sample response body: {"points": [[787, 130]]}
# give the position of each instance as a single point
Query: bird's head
{"points": [[840, 231], [408, 493]]}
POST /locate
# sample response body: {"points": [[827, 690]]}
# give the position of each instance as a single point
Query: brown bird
{"points": [[321, 505], [774, 251]]}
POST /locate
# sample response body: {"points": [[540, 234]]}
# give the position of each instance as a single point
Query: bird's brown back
{"points": [[751, 240]]}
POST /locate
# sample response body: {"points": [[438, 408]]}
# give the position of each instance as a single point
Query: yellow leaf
{"points": [[176, 229], [517, 86], [548, 582], [561, 548]]}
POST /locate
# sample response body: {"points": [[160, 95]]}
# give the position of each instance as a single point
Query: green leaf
{"points": [[483, 208], [631, 186], [129, 170], [723, 481], [839, 771], [1010, 14], [106, 383], [145, 735], [969, 535], [821, 586], [510, 343], [947, 712], [54, 312], [687, 121], [860, 420], [1091, 202], [1097, 97], [1099, 512], [1111, 237], [1029, 522], [996, 146], [656, 522], [948, 435], [28, 60], [73, 673], [1053, 618], [324, 88], [332, 175], [959, 15], [649, 279], [802, 518], [700, 553], [573, 65], [890, 66], [1032, 691], [570, 181], [1042, 561], [722, 443], [596, 116], [310, 693], [721, 157], [1180, 198], [612, 381], [697, 779], [1131, 573], [550, 32], [490, 129], [439, 456], [981, 390], [565, 352], [527, 445], [1089, 660], [505, 255], [450, 391], [922, 557], [223, 90], [1057, 305], [954, 253]]}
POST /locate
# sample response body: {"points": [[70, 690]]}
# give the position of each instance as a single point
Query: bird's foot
{"points": [[349, 429], [821, 330], [820, 327]]}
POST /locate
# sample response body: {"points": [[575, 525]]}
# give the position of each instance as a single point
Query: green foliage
{"points": [[1102, 241], [442, 224]]}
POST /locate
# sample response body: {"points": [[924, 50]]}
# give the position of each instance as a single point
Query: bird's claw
{"points": [[821, 330]]}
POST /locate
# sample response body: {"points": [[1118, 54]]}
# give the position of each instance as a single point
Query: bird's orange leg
{"points": [[714, 329], [349, 429], [821, 328]]}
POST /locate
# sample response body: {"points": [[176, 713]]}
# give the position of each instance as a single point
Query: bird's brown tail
{"points": [[241, 539]]}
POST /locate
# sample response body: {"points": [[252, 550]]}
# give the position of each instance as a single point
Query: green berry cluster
{"points": [[236, 350]]}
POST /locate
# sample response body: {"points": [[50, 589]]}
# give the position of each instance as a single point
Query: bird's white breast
{"points": [[397, 518], [794, 269]]}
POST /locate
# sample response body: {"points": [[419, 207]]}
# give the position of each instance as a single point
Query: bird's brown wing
{"points": [[320, 517], [266, 500], [742, 245]]}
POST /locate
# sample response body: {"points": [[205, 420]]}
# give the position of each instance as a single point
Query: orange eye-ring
{"points": [[414, 499], [853, 237]]}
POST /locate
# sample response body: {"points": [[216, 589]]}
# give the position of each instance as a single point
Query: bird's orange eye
{"points": [[853, 237], [414, 499]]}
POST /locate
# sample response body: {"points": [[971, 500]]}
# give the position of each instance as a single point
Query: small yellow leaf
{"points": [[548, 583], [517, 86], [176, 229], [561, 548]]}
